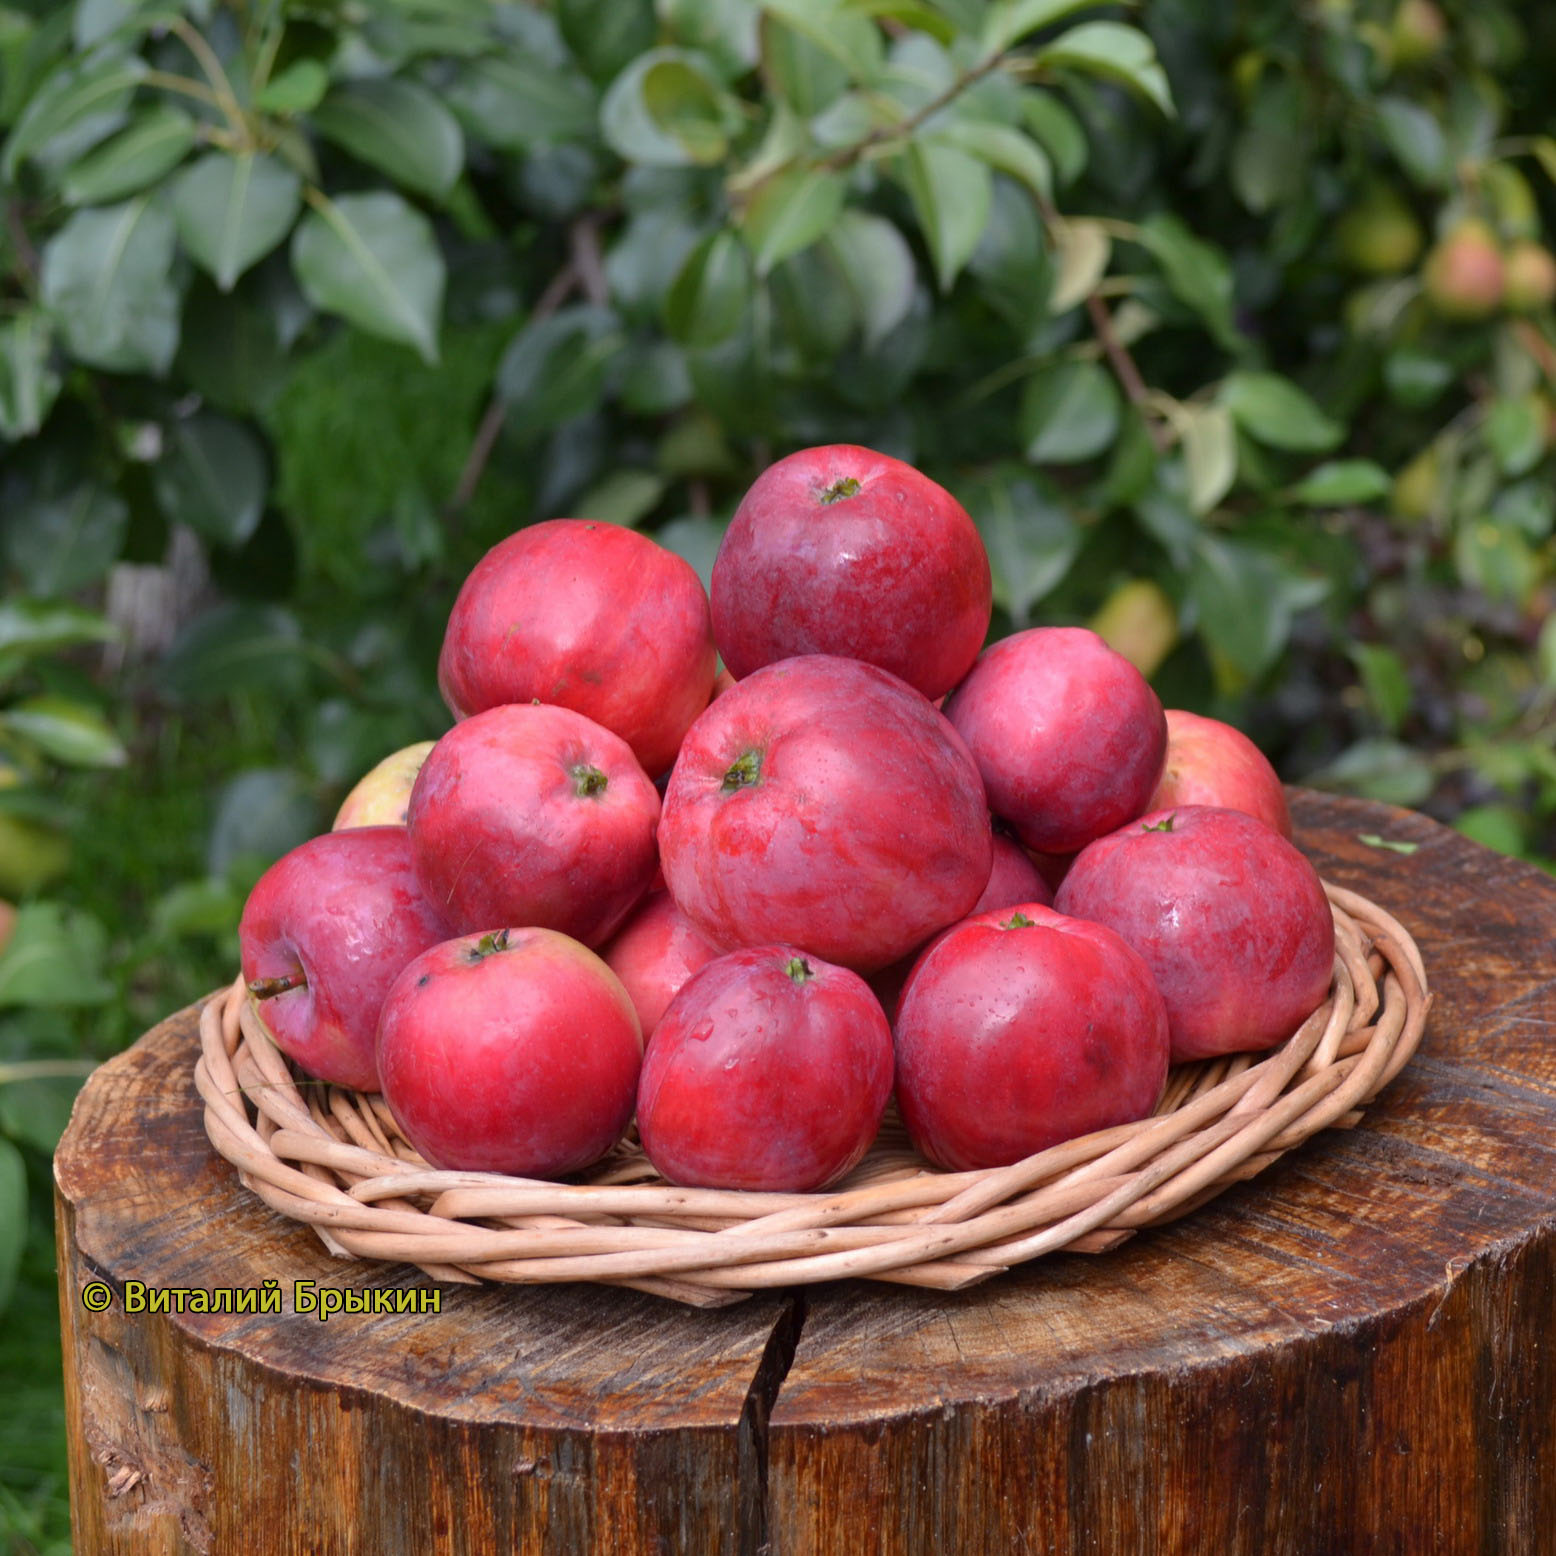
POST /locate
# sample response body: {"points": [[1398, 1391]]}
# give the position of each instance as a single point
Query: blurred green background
{"points": [[1230, 324]]}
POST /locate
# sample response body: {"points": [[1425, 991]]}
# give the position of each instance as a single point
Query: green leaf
{"points": [[555, 369], [920, 15], [1008, 21], [373, 259], [1415, 378], [514, 102], [667, 109], [1246, 600], [1415, 137], [297, 89], [1393, 845], [29, 627], [29, 383], [1209, 454], [13, 1217], [1069, 412], [1031, 539], [35, 1112], [82, 101], [1497, 561], [694, 540], [709, 297], [142, 155], [1057, 131], [806, 80], [1378, 768], [1006, 150], [1082, 249], [232, 211], [1340, 483], [1385, 681], [398, 127], [55, 959], [1277, 413], [1498, 827], [214, 477], [60, 541], [107, 276], [845, 34], [624, 497], [1196, 273], [606, 35], [1111, 49], [790, 212], [724, 30], [195, 909], [952, 194], [1515, 433], [878, 269], [65, 731], [260, 815], [236, 648]]}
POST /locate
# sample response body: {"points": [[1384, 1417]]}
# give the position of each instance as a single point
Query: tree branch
{"points": [[1125, 369]]}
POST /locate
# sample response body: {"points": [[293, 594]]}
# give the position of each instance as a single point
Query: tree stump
{"points": [[1346, 1354]]}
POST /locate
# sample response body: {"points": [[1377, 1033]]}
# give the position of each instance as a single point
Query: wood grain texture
{"points": [[1347, 1354]]}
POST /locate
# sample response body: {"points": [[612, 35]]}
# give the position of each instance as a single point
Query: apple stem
{"points": [[489, 945], [839, 490], [588, 781], [743, 772], [799, 969], [1018, 921], [268, 988], [1164, 825]]}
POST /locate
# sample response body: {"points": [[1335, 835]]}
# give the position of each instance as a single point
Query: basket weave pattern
{"points": [[336, 1160]]}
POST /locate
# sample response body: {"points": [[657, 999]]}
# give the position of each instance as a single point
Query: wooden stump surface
{"points": [[1347, 1354]]}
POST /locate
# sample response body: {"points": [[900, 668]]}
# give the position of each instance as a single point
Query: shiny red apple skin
{"points": [[862, 829], [654, 953], [534, 815], [1231, 918], [770, 1070], [346, 912], [892, 571], [514, 1052], [1068, 735], [589, 616], [1020, 1028], [1211, 763]]}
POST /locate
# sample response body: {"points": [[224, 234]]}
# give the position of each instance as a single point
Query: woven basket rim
{"points": [[334, 1159]]}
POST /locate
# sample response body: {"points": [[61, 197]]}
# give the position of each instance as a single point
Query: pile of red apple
{"points": [[514, 937]]}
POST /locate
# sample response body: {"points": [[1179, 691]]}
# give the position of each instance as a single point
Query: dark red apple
{"points": [[1019, 1029], [654, 953], [823, 803], [533, 815], [1068, 735], [516, 1051], [324, 933], [589, 616], [1211, 763], [770, 1070], [844, 551], [1231, 919]]}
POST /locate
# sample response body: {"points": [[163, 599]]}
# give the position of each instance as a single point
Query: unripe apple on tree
{"points": [[324, 933], [382, 795], [841, 550], [1464, 275], [513, 1051], [770, 1070], [1530, 274]]}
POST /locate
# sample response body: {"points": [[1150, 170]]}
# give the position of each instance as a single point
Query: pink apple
{"points": [[823, 803], [533, 815], [1068, 735], [324, 933], [654, 953], [516, 1051], [381, 795], [1211, 763], [844, 551], [770, 1070], [589, 616], [1231, 919], [1019, 1029]]}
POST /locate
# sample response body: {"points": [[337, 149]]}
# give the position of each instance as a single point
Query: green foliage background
{"points": [[327, 296]]}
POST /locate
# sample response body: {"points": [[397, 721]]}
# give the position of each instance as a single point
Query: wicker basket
{"points": [[335, 1159]]}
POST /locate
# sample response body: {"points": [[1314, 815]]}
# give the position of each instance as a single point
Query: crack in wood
{"points": [[752, 1442]]}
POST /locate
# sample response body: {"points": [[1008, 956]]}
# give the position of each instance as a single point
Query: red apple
{"points": [[1068, 735], [324, 933], [823, 803], [533, 815], [770, 1070], [1019, 1029], [1211, 763], [654, 953], [380, 797], [516, 1051], [1231, 919], [589, 616], [844, 551]]}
